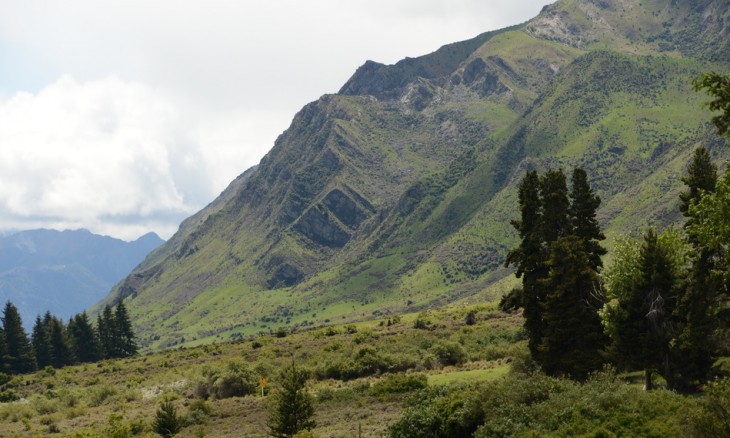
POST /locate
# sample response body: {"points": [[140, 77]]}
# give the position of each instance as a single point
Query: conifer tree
{"points": [[4, 358], [20, 352], [83, 339], [61, 354], [292, 408], [573, 336], [583, 206], [555, 222], [125, 342], [529, 257], [41, 346], [167, 423], [693, 349], [106, 327], [701, 178]]}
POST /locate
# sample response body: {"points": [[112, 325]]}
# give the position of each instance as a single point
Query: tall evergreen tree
{"points": [[292, 409], [41, 346], [529, 257], [83, 339], [20, 352], [125, 341], [583, 206], [701, 178], [555, 204], [693, 349], [61, 354], [573, 336], [4, 357], [106, 327]]}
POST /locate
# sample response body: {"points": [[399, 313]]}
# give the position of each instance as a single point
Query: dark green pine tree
{"points": [[61, 354], [292, 408], [83, 339], [41, 345], [693, 349], [573, 338], [20, 352], [106, 327], [4, 358], [642, 333], [555, 204], [583, 206], [529, 258], [125, 342], [167, 423]]}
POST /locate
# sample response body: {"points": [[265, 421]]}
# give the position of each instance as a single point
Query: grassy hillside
{"points": [[365, 378], [395, 195]]}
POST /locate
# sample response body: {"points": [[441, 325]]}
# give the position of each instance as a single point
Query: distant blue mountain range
{"points": [[64, 272]]}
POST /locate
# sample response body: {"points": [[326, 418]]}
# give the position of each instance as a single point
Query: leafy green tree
{"points": [[292, 408], [529, 257], [573, 336], [41, 345], [640, 317], [167, 423], [83, 339], [583, 206], [717, 86], [20, 351]]}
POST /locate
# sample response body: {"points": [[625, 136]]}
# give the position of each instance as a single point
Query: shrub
{"points": [[166, 422], [449, 353], [99, 394], [198, 413], [399, 383], [236, 381]]}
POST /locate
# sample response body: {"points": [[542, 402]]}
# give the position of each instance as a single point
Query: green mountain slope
{"points": [[396, 193]]}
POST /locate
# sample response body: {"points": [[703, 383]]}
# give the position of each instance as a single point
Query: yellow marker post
{"points": [[262, 384]]}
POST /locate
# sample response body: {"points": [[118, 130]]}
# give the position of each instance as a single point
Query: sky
{"points": [[127, 116]]}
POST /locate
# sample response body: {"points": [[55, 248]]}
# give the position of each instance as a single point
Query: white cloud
{"points": [[73, 154], [127, 116]]}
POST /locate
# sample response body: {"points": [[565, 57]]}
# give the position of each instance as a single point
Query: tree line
{"points": [[53, 343], [662, 306]]}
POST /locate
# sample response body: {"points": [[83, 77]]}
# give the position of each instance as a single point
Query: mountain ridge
{"points": [[67, 271], [396, 193]]}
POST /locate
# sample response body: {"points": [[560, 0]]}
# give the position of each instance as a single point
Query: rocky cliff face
{"points": [[396, 193]]}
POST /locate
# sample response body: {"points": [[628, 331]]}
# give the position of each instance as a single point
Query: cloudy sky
{"points": [[125, 117]]}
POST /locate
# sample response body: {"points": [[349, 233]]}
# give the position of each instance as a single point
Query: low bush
{"points": [[399, 383], [236, 380], [449, 353]]}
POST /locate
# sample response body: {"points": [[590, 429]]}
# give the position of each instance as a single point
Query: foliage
{"points": [[399, 383], [167, 423], [292, 408], [573, 336], [20, 357], [558, 259], [236, 380], [717, 86], [711, 419]]}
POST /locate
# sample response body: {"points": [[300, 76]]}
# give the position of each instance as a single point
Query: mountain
{"points": [[397, 192], [64, 272]]}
